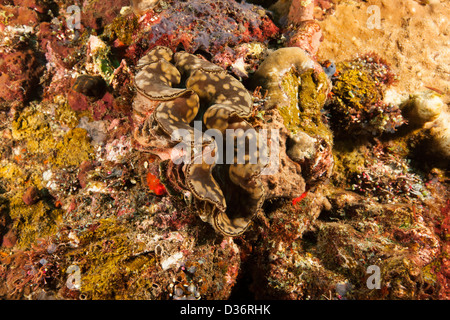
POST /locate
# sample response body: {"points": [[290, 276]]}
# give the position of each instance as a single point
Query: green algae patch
{"points": [[44, 138], [64, 114], [356, 103], [73, 149], [33, 222], [312, 97], [33, 127], [290, 113], [355, 88], [12, 173], [348, 161], [122, 28], [110, 270], [306, 94], [104, 60], [17, 173]]}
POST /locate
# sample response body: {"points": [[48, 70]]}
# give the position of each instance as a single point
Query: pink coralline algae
{"points": [[16, 75], [100, 109], [19, 71], [207, 25], [97, 14], [307, 36]]}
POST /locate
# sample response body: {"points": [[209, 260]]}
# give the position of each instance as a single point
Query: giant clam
{"points": [[176, 92], [226, 195]]}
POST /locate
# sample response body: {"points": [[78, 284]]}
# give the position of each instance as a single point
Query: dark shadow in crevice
{"points": [[242, 288]]}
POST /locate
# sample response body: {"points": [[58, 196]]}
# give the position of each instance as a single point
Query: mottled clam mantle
{"points": [[229, 195]]}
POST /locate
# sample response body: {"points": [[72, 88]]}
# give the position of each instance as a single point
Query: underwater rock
{"points": [[40, 6], [440, 131], [291, 274], [31, 195], [426, 111], [339, 241], [97, 14], [408, 224], [300, 10], [141, 6], [324, 8], [307, 36], [304, 146], [289, 12], [19, 75], [210, 26], [300, 29], [356, 105], [17, 16], [60, 44], [423, 107], [298, 87], [294, 12], [151, 255], [314, 156], [83, 170], [104, 108], [286, 178], [284, 267], [9, 239], [5, 219]]}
